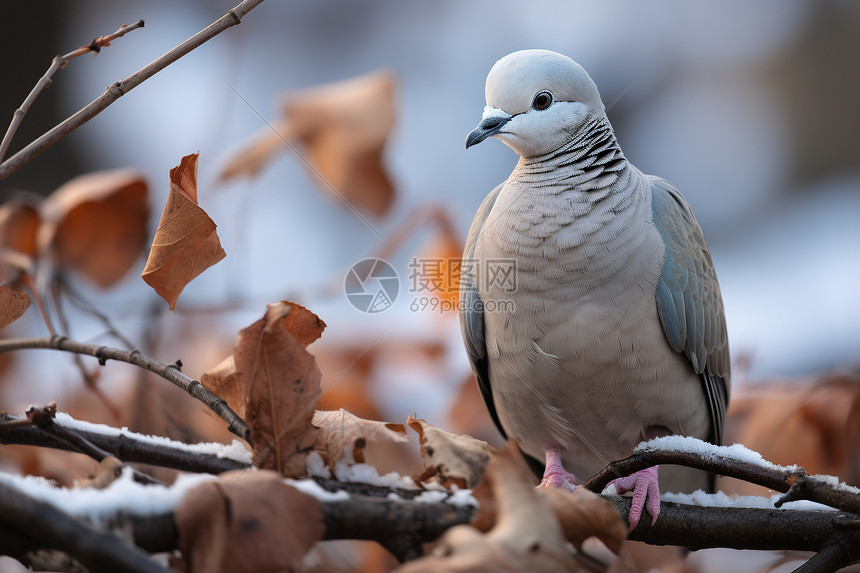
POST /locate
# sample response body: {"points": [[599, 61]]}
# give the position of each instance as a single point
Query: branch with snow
{"points": [[735, 461]]}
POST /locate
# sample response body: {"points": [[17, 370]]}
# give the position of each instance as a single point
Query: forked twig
{"points": [[45, 81], [120, 88]]}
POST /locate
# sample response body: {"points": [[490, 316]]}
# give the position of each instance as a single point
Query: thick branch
{"points": [[169, 372], [793, 480], [58, 64], [127, 447], [120, 88], [27, 524]]}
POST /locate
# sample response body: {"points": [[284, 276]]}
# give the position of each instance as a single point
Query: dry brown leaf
{"points": [[815, 425], [96, 224], [341, 432], [257, 153], [108, 470], [246, 522], [19, 223], [13, 305], [224, 381], [583, 514], [273, 382], [185, 242], [343, 128], [527, 536], [452, 458]]}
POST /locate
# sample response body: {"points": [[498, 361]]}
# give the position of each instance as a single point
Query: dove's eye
{"points": [[542, 100]]}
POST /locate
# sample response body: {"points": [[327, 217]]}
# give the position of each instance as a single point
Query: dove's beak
{"points": [[491, 125]]}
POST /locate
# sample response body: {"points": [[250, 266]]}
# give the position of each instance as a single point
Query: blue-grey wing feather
{"points": [[471, 311], [689, 301]]}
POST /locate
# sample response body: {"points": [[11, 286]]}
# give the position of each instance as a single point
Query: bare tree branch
{"points": [[120, 88], [793, 480], [43, 418], [125, 446], [169, 372], [45, 81], [27, 524]]}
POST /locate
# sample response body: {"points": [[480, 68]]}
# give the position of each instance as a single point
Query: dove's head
{"points": [[537, 101]]}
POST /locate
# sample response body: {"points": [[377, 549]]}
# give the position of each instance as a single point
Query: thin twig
{"points": [[167, 371], [76, 298], [91, 382], [120, 88], [58, 64]]}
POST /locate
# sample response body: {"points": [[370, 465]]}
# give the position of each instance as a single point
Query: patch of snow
{"points": [[100, 506], [314, 489], [366, 473], [431, 497], [316, 466], [234, 451], [721, 499], [737, 452], [462, 497]]}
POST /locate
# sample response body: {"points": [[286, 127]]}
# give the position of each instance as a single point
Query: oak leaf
{"points": [[452, 458], [96, 224], [246, 522], [343, 128], [13, 305], [273, 382], [341, 432], [185, 242]]}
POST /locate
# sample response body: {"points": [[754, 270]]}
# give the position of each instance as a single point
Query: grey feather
{"points": [[688, 295], [472, 312]]}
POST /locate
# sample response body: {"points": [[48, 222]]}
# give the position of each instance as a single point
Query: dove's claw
{"points": [[646, 494]]}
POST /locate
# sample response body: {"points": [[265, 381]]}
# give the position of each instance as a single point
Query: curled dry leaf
{"points": [[452, 458], [273, 382], [96, 224], [13, 305], [526, 536], [185, 242], [343, 127], [341, 432], [246, 522]]}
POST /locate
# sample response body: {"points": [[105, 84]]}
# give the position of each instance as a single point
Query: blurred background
{"points": [[750, 109]]}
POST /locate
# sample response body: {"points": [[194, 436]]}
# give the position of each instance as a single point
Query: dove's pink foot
{"points": [[555, 475], [646, 493]]}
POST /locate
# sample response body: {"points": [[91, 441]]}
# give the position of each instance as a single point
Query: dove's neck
{"points": [[592, 160]]}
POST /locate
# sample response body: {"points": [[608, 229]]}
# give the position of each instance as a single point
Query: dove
{"points": [[590, 308]]}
